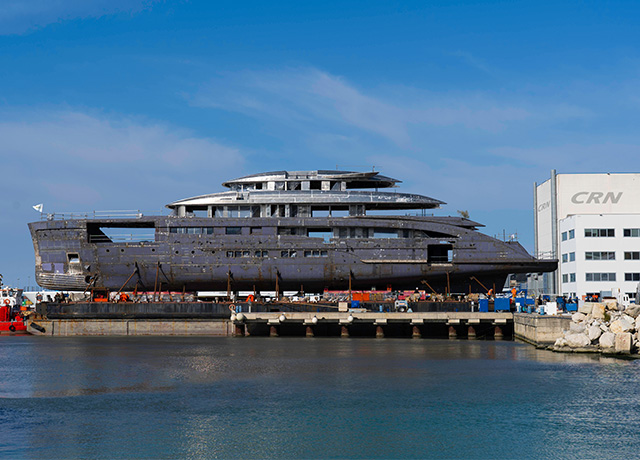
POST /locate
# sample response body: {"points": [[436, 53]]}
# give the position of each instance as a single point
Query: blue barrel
{"points": [[501, 304], [484, 305]]}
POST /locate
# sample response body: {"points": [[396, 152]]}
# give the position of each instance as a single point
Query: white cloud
{"points": [[20, 16], [81, 158], [310, 100]]}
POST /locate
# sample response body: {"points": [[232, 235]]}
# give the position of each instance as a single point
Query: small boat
{"points": [[11, 319]]}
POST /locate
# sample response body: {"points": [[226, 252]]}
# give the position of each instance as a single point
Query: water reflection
{"points": [[297, 397]]}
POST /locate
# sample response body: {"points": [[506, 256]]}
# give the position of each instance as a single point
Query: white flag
{"points": [[38, 207]]}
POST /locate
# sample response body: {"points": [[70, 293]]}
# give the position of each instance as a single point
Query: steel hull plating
{"points": [[257, 255]]}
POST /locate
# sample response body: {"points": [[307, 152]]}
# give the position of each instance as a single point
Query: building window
{"points": [[565, 258], [261, 254], [598, 255], [632, 276], [635, 255], [565, 278], [572, 234], [600, 276], [288, 253], [233, 231], [632, 232], [564, 236], [572, 257], [572, 277], [599, 232]]}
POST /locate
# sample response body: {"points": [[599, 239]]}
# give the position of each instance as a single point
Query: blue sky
{"points": [[132, 104]]}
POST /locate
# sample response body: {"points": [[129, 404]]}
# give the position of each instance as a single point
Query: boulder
{"points": [[633, 311], [594, 332], [577, 317], [578, 340], [607, 340], [597, 311], [561, 342], [621, 325], [577, 328], [638, 323], [611, 304], [584, 307], [623, 342]]}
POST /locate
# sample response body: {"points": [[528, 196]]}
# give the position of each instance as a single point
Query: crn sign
{"points": [[596, 197]]}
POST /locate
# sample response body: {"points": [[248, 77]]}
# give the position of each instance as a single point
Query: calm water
{"points": [[312, 398]]}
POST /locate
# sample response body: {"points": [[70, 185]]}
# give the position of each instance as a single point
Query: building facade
{"points": [[591, 224]]}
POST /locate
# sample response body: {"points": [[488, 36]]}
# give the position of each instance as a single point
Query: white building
{"points": [[591, 224]]}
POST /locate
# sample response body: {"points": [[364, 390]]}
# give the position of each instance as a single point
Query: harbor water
{"points": [[194, 397]]}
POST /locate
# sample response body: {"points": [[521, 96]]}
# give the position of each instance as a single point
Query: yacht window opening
{"points": [[339, 212], [439, 253], [218, 212], [73, 258], [280, 185], [294, 185], [233, 230], [335, 185], [255, 230], [258, 186], [315, 185], [290, 231], [277, 210], [320, 211], [261, 254], [385, 233], [199, 212], [325, 233], [288, 253], [143, 232], [192, 230], [316, 253]]}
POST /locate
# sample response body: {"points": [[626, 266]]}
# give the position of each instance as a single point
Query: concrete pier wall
{"points": [[131, 327], [539, 329]]}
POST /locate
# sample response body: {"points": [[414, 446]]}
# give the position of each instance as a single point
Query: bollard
{"points": [[498, 333], [379, 332], [273, 331], [309, 332], [344, 331], [416, 334], [472, 333], [453, 334]]}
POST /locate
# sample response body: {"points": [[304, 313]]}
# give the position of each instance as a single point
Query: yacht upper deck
{"points": [[301, 193]]}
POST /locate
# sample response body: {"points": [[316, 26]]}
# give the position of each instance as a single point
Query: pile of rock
{"points": [[606, 327]]}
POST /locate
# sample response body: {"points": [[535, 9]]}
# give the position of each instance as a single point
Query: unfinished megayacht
{"points": [[308, 230]]}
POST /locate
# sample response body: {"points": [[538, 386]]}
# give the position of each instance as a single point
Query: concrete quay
{"points": [[354, 323], [539, 330], [468, 325], [129, 327]]}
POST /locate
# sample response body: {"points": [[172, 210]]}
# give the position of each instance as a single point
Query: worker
{"points": [[514, 291]]}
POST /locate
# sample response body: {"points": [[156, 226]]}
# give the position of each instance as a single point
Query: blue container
{"points": [[502, 304], [484, 305], [572, 307], [355, 304]]}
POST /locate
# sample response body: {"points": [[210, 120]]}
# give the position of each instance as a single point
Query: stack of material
{"points": [[606, 327]]}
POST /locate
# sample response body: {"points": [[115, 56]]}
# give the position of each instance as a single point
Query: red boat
{"points": [[11, 321]]}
